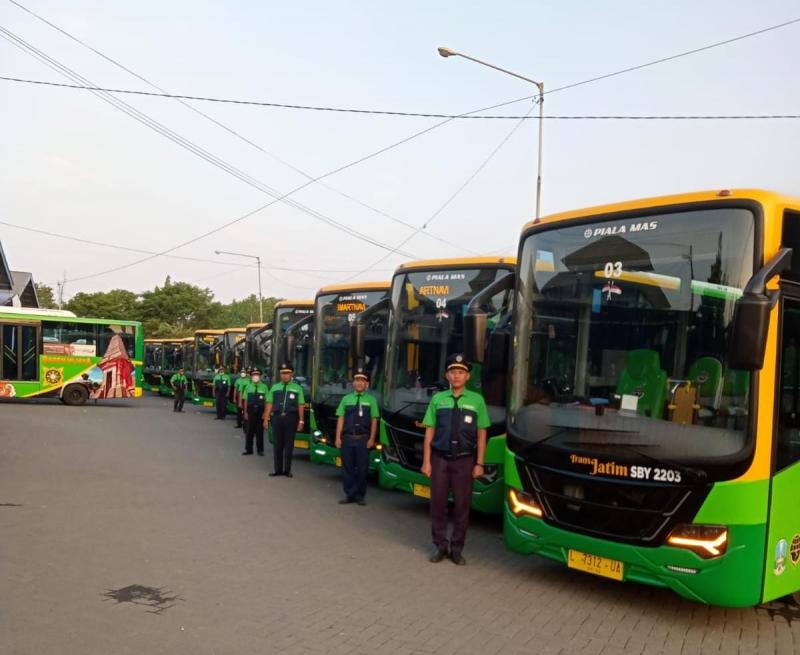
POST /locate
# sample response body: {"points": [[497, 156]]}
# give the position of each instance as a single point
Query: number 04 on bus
{"points": [[654, 420]]}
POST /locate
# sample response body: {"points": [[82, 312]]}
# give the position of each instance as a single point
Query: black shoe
{"points": [[247, 453], [346, 501], [275, 475], [261, 454], [457, 558], [288, 475], [438, 555], [361, 502]]}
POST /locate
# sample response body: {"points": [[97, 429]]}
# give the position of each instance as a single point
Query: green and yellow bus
{"points": [[153, 359], [292, 340], [258, 349], [172, 358], [429, 302], [337, 308], [53, 354], [233, 357], [654, 427], [206, 359]]}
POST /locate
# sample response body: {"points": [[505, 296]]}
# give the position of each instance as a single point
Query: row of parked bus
{"points": [[640, 366]]}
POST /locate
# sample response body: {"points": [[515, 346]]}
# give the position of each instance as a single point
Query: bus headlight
{"points": [[489, 475], [707, 541], [521, 503], [317, 435]]}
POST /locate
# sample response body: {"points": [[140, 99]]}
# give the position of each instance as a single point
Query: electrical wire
{"points": [[379, 112], [229, 129], [186, 144]]}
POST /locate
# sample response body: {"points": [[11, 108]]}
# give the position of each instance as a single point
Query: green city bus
{"points": [[233, 357], [206, 359], [153, 359], [336, 311], [258, 349], [172, 358], [292, 340], [429, 302], [654, 431], [53, 354]]}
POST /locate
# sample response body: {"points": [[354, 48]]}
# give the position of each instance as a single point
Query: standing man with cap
{"points": [[356, 428], [455, 443], [222, 385], [285, 408], [238, 386], [178, 382], [253, 399]]}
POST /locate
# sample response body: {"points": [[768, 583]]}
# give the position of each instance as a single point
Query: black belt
{"points": [[449, 455], [355, 436], [284, 414]]}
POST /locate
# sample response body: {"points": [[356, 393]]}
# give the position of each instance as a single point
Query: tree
{"points": [[239, 313], [45, 295], [117, 303], [182, 305]]}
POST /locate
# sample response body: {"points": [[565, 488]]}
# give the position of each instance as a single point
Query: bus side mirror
{"points": [[748, 343], [358, 335], [475, 336]]}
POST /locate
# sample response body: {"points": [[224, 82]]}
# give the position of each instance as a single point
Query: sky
{"points": [[74, 165]]}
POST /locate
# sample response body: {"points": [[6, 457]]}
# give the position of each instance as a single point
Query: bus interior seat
{"points": [[706, 375], [734, 393], [644, 377]]}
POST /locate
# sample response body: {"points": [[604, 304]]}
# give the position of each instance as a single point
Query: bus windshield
{"points": [[172, 357], [623, 333], [336, 312], [206, 352], [285, 317], [426, 326], [259, 348]]}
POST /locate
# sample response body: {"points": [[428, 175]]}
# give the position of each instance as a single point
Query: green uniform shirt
{"points": [[258, 391], [358, 411], [286, 398], [221, 376], [177, 377], [241, 383], [456, 421]]}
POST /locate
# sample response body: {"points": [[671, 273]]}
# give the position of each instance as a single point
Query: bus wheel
{"points": [[75, 394]]}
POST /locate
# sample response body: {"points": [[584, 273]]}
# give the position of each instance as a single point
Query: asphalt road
{"points": [[125, 528]]}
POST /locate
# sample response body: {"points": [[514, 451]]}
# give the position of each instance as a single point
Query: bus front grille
{"points": [[621, 510], [408, 445]]}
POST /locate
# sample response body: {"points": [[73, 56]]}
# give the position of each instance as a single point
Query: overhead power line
{"points": [[526, 117], [382, 112], [228, 128]]}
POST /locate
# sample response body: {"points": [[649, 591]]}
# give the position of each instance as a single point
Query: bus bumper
{"points": [[487, 497], [732, 580]]}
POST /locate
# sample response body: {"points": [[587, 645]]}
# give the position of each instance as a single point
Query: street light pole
{"points": [[447, 52], [258, 263]]}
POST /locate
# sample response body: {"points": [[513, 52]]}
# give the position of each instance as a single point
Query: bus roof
{"points": [[257, 326], [460, 262], [294, 303], [31, 311], [355, 286], [187, 340], [209, 332], [722, 195], [240, 330]]}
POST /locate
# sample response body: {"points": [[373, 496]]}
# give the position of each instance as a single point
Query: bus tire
{"points": [[75, 394]]}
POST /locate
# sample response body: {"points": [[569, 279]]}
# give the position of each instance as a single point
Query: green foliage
{"points": [[175, 309], [45, 295]]}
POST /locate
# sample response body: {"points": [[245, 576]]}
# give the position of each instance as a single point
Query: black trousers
{"points": [[355, 466], [283, 431], [255, 428], [451, 476], [180, 396], [222, 403], [239, 416]]}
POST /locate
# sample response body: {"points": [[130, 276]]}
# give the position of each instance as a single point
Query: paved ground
{"points": [[98, 499]]}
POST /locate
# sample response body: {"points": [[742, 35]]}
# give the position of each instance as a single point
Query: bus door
{"points": [[19, 351], [782, 572]]}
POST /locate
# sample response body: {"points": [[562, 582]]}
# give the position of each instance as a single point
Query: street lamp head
{"points": [[446, 52], [217, 252]]}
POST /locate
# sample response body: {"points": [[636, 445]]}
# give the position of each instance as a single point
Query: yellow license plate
{"points": [[422, 490], [596, 565], [339, 462], [300, 444]]}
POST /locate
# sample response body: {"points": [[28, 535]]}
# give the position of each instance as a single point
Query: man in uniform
{"points": [[285, 408], [222, 385], [254, 397], [454, 448], [241, 382], [356, 428], [178, 382]]}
